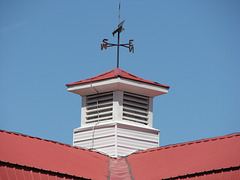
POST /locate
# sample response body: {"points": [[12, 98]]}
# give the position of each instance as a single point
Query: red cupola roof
{"points": [[116, 73]]}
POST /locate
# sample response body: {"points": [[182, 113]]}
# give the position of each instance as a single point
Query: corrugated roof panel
{"points": [[116, 73], [53, 156], [221, 174], [186, 158], [12, 173]]}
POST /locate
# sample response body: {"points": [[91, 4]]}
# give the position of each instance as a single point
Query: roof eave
{"points": [[118, 83]]}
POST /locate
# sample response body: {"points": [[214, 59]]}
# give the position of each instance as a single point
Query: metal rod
{"points": [[118, 50], [119, 14], [118, 38]]}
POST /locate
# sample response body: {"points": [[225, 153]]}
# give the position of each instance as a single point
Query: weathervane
{"points": [[120, 28]]}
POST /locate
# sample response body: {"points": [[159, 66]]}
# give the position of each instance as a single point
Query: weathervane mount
{"points": [[120, 28]]}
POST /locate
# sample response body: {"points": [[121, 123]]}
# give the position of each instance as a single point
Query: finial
{"points": [[118, 30]]}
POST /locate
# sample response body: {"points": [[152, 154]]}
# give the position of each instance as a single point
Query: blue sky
{"points": [[193, 46]]}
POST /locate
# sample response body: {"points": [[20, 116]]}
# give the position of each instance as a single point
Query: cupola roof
{"points": [[116, 73], [115, 80]]}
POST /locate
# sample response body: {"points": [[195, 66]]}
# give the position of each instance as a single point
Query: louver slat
{"points": [[134, 120], [99, 107], [141, 101], [134, 104], [99, 94], [103, 114], [135, 108], [103, 98], [99, 119], [138, 116]]}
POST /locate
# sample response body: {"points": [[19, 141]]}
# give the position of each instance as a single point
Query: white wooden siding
{"points": [[116, 139], [137, 133], [135, 143], [94, 137], [123, 151]]}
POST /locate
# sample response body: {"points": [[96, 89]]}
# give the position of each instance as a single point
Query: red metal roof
{"points": [[15, 171], [52, 156], [116, 73], [197, 157], [213, 158]]}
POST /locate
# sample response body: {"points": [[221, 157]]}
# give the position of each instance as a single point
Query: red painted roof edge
{"points": [[51, 141], [187, 143], [196, 174], [90, 79], [144, 80], [40, 170], [116, 73], [149, 82]]}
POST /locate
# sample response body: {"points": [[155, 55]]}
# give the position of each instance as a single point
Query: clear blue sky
{"points": [[191, 45]]}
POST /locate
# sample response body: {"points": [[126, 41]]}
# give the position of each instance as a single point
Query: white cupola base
{"points": [[116, 138]]}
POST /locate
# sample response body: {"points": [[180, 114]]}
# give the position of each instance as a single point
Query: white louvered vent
{"points": [[135, 108], [99, 107]]}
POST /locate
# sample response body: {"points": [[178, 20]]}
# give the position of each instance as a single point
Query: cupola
{"points": [[116, 113]]}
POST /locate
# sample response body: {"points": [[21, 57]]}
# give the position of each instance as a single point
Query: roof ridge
{"points": [[140, 79], [187, 143], [92, 78], [135, 76], [51, 141], [102, 74], [132, 75]]}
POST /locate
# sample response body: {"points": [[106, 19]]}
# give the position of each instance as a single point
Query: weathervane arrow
{"points": [[120, 28]]}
